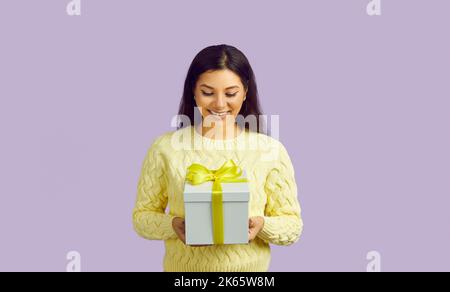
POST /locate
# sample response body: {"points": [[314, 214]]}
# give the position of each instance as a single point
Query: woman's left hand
{"points": [[255, 225]]}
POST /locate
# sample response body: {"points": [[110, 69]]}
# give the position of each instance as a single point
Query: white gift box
{"points": [[198, 213]]}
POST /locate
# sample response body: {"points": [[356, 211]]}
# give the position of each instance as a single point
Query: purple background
{"points": [[82, 98]]}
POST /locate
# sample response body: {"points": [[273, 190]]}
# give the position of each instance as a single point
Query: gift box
{"points": [[216, 205]]}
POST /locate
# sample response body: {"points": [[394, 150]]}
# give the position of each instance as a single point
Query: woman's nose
{"points": [[220, 101]]}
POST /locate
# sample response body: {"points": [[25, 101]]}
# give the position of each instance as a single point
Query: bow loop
{"points": [[228, 172]]}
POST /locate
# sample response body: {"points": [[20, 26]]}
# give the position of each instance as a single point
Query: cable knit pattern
{"points": [[273, 195]]}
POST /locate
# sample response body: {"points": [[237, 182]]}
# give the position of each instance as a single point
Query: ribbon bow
{"points": [[228, 172]]}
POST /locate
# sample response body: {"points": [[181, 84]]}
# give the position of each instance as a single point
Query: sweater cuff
{"points": [[269, 229], [167, 227]]}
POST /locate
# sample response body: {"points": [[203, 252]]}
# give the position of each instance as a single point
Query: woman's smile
{"points": [[221, 114]]}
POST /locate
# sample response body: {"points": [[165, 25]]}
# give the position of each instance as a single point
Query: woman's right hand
{"points": [[179, 226]]}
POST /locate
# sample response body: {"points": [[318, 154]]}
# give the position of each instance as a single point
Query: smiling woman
{"points": [[220, 86]]}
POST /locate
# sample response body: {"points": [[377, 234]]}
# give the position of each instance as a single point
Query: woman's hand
{"points": [[179, 226], [255, 225]]}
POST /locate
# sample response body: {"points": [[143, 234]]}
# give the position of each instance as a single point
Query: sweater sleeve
{"points": [[149, 218], [283, 224]]}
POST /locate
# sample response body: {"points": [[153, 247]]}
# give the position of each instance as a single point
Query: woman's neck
{"points": [[219, 132]]}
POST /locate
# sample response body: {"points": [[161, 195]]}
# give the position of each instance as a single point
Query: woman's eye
{"points": [[212, 93], [207, 93]]}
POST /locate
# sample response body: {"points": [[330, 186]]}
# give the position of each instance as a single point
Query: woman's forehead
{"points": [[219, 79]]}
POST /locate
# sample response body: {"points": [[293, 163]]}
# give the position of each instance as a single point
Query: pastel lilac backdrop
{"points": [[364, 115]]}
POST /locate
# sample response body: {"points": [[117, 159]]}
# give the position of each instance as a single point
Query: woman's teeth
{"points": [[219, 114]]}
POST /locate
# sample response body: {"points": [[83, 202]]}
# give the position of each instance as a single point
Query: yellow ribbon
{"points": [[228, 172]]}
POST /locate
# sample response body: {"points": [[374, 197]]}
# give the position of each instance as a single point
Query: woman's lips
{"points": [[220, 114]]}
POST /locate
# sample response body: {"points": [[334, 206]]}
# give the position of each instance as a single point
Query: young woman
{"points": [[220, 87]]}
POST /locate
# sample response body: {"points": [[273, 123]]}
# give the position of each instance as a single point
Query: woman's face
{"points": [[219, 94]]}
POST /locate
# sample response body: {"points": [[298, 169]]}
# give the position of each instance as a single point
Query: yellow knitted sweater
{"points": [[273, 194]]}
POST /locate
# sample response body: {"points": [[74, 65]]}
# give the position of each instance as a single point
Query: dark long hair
{"points": [[217, 58]]}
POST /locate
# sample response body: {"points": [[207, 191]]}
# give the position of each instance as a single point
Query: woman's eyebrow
{"points": [[210, 87]]}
